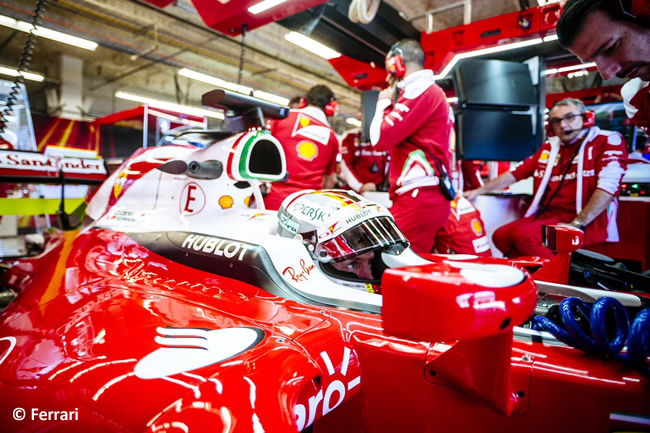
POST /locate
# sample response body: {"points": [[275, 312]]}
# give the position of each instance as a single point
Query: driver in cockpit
{"points": [[344, 232]]}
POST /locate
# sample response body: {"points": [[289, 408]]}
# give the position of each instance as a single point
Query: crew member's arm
{"points": [[353, 182], [506, 179], [610, 167], [597, 203], [503, 181], [392, 124], [329, 180]]}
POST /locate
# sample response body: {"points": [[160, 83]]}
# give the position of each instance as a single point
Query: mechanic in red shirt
{"points": [[362, 167], [414, 129], [310, 146], [577, 176], [622, 51]]}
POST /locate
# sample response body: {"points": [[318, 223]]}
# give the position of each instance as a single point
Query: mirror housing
{"points": [[450, 301]]}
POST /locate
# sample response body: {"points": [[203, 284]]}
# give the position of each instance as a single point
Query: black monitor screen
{"points": [[492, 135], [494, 83]]}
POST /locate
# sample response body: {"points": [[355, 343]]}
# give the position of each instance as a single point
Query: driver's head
{"points": [[342, 230]]}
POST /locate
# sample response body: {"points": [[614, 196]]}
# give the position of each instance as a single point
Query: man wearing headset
{"points": [[577, 175], [413, 128], [310, 146], [615, 34]]}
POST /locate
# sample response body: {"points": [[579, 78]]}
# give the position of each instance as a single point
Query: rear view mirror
{"points": [[562, 239], [454, 300]]}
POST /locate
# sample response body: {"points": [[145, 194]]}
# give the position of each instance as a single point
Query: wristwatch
{"points": [[577, 224]]}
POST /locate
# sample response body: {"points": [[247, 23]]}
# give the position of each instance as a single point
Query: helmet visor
{"points": [[375, 233]]}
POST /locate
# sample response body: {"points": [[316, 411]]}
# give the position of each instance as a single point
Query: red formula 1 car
{"points": [[179, 309]]}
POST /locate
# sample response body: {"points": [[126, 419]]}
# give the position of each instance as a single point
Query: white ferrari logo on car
{"points": [[188, 349]]}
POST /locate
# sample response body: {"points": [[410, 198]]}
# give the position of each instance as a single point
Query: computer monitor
{"points": [[494, 135], [494, 83]]}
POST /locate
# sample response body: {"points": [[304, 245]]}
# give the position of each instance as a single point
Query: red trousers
{"points": [[523, 237], [419, 214]]}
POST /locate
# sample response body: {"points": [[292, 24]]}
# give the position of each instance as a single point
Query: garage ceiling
{"points": [[141, 48]]}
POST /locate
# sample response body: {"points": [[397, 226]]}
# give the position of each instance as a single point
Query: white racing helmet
{"points": [[338, 225]]}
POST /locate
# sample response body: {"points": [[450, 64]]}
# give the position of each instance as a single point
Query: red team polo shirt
{"points": [[310, 147]]}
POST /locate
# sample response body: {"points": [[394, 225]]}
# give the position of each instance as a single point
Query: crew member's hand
{"points": [[388, 92], [368, 187], [472, 194], [575, 224]]}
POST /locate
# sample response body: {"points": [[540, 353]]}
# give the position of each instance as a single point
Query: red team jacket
{"points": [[422, 115], [599, 164], [310, 147]]}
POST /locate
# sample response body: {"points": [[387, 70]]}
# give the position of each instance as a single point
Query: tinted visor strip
{"points": [[395, 232], [387, 229], [373, 231]]}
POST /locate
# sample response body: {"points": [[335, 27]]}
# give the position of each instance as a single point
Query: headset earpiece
{"points": [[303, 103], [637, 10], [332, 108], [549, 130], [395, 62]]}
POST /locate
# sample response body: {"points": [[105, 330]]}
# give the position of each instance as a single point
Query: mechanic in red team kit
{"points": [[577, 176], [414, 129], [622, 50], [310, 146]]}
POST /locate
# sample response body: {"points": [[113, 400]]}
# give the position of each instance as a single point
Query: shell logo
{"points": [[453, 204], [477, 227], [307, 150], [304, 121], [226, 202], [544, 156], [119, 183]]}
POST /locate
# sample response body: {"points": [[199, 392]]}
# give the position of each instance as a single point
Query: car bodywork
{"points": [[178, 309]]}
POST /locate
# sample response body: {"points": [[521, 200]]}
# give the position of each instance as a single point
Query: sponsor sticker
{"points": [[216, 246], [192, 199], [300, 273], [306, 150], [289, 224]]}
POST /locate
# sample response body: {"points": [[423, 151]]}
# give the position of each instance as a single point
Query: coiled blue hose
{"points": [[637, 336]]}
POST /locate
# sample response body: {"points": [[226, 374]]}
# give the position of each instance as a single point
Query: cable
{"points": [[24, 61], [242, 51], [637, 336], [363, 11]]}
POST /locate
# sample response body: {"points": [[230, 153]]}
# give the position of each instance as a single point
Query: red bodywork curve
{"points": [[90, 307]]}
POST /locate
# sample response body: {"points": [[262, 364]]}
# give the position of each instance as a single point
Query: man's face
{"points": [[566, 122], [359, 265], [619, 48]]}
